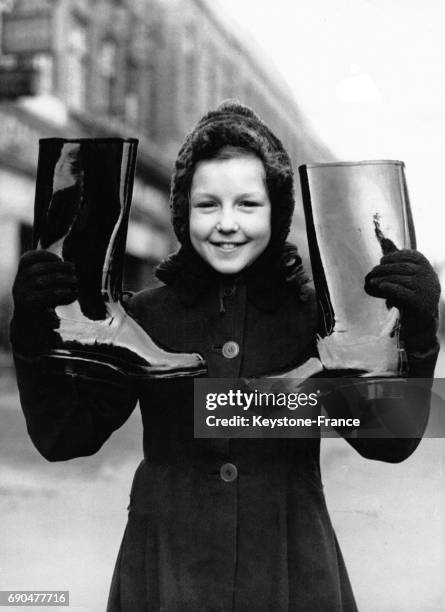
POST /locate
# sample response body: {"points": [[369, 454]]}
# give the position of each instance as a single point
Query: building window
{"points": [[107, 73], [229, 80], [211, 84], [132, 77], [43, 62], [77, 65], [190, 69], [249, 95]]}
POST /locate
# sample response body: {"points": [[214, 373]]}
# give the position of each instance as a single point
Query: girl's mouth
{"points": [[227, 246]]}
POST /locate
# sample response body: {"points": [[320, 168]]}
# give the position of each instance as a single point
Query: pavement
{"points": [[62, 522]]}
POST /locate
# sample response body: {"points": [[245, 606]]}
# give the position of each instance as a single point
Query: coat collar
{"points": [[191, 278]]}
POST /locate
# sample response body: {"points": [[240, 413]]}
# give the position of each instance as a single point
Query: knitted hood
{"points": [[233, 124]]}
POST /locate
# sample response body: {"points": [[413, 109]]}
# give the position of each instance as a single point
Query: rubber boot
{"points": [[353, 211], [82, 206]]}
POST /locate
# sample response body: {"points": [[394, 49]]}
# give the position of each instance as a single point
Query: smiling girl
{"points": [[229, 210], [218, 524]]}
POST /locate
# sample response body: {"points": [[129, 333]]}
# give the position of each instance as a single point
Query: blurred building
{"points": [[142, 68]]}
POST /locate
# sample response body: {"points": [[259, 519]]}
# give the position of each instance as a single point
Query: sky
{"points": [[370, 77]]}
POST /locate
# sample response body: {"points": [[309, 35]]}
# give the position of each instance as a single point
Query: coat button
{"points": [[228, 472], [230, 349]]}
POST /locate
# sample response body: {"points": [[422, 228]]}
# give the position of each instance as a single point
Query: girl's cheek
{"points": [[201, 225]]}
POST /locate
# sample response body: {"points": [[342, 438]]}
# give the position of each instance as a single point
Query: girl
{"points": [[217, 524]]}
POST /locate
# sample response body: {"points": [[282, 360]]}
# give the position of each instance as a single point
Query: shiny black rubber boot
{"points": [[82, 206]]}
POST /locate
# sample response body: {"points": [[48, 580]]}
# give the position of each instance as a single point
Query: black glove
{"points": [[292, 263], [407, 280], [43, 282]]}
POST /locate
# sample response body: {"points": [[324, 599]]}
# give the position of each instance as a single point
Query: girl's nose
{"points": [[227, 223]]}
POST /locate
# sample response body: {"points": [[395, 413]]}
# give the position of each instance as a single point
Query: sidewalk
{"points": [[62, 522]]}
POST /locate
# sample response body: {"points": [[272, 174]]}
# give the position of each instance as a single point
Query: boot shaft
{"points": [[82, 206]]}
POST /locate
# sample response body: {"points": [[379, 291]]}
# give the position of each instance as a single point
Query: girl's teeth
{"points": [[227, 246]]}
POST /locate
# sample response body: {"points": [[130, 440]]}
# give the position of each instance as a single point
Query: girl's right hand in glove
{"points": [[43, 282]]}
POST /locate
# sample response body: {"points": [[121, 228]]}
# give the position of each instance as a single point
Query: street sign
{"points": [[26, 33], [17, 82]]}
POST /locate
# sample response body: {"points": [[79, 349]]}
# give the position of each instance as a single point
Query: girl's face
{"points": [[230, 212]]}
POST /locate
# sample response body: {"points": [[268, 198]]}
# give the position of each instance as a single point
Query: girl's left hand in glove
{"points": [[407, 280]]}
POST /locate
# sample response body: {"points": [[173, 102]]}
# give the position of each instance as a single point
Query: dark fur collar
{"points": [[269, 279]]}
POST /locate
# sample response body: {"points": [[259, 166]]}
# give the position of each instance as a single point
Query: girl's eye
{"points": [[204, 204], [248, 204]]}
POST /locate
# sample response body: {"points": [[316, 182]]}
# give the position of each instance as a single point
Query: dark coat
{"points": [[195, 542]]}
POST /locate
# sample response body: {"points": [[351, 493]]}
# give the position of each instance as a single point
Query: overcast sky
{"points": [[370, 75]]}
